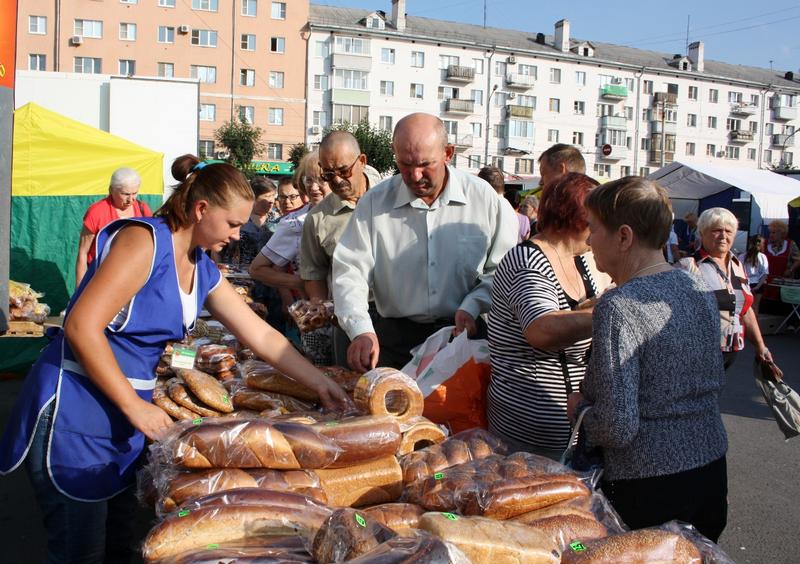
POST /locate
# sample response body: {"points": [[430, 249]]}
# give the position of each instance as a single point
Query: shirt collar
{"points": [[454, 191], [337, 204]]}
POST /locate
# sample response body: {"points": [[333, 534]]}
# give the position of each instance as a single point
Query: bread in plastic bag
{"points": [[362, 438], [418, 433], [417, 546], [283, 550], [400, 517], [260, 375], [386, 391], [179, 392], [310, 315], [370, 483], [347, 534], [207, 388]]}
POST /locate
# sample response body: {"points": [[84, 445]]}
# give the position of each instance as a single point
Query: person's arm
{"points": [[316, 289], [121, 275], [268, 344], [753, 333], [264, 270], [559, 329], [794, 259], [314, 262], [84, 246]]}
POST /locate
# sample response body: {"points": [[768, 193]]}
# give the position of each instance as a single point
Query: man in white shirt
{"points": [[426, 242]]}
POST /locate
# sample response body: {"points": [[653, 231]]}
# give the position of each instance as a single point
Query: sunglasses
{"points": [[341, 173]]}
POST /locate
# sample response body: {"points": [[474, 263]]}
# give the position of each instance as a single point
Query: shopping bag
{"points": [[453, 376], [579, 455], [781, 399]]}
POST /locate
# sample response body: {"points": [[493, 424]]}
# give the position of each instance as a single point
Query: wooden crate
{"points": [[24, 329]]}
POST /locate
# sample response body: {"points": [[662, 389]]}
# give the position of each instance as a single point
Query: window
{"points": [[528, 70], [320, 118], [127, 67], [690, 149], [647, 86], [247, 113], [731, 152], [555, 105], [580, 78], [88, 65], [644, 171], [474, 161], [205, 148], [350, 114], [672, 88], [476, 96], [605, 79], [279, 10], [693, 92], [385, 123], [552, 135], [248, 42], [387, 87], [754, 99], [166, 34], [577, 138], [523, 166], [247, 77], [276, 79], [497, 162], [645, 144], [712, 122], [691, 120], [713, 95], [751, 154], [277, 44], [500, 99], [711, 150], [447, 93], [646, 114], [477, 129], [579, 107], [625, 170], [734, 97], [206, 5], [127, 31], [275, 116], [37, 62], [37, 25], [166, 3], [416, 90], [787, 159], [767, 156], [89, 28], [249, 8], [500, 131], [387, 55], [603, 170], [208, 112], [417, 59], [753, 127], [447, 60], [376, 22], [629, 84], [207, 75], [321, 49], [128, 1], [769, 128], [605, 110], [204, 37], [477, 64], [320, 82], [352, 45], [275, 151], [520, 128], [732, 124], [628, 112], [350, 79], [527, 101], [555, 76], [166, 70]]}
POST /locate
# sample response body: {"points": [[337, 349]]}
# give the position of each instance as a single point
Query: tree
{"points": [[376, 143], [297, 152], [243, 141]]}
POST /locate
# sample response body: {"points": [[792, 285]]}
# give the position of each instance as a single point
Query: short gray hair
{"points": [[713, 217], [124, 177]]}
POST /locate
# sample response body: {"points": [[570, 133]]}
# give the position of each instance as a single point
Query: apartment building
{"points": [[246, 54], [505, 96]]}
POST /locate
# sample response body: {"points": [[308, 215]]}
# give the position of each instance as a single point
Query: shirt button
{"points": [[433, 291], [433, 263]]}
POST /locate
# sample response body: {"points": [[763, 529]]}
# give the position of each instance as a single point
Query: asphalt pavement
{"points": [[764, 487]]}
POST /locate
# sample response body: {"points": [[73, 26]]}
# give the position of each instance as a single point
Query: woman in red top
{"points": [[120, 203], [783, 257]]}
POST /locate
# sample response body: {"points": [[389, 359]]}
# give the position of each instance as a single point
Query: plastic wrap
{"points": [[418, 433], [282, 550], [386, 391], [417, 547], [179, 393], [486, 541], [347, 534], [362, 439], [177, 412], [596, 506], [215, 358], [346, 378], [207, 389], [262, 376], [473, 444], [379, 481], [400, 517], [29, 311], [259, 400], [310, 315]]}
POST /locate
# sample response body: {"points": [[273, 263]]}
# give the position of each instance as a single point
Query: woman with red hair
{"points": [[540, 322]]}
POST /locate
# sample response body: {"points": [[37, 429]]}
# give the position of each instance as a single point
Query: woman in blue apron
{"points": [[84, 412]]}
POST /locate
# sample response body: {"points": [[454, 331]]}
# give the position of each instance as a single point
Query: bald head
{"points": [[342, 165], [420, 125], [422, 154], [340, 141]]}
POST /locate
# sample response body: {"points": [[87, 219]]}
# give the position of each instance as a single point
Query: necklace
{"points": [[575, 286], [646, 268]]}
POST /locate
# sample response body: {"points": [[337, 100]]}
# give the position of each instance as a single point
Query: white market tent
{"points": [[696, 187]]}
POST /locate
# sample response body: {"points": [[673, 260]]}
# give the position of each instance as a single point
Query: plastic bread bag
{"points": [[19, 293], [346, 378], [418, 433], [594, 507], [347, 534], [400, 517], [310, 315], [417, 546], [260, 375], [280, 550], [215, 520], [361, 439], [259, 400], [712, 553], [386, 391], [215, 358]]}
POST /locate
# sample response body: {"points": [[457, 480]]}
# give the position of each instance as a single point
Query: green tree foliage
{"points": [[297, 152], [376, 143], [242, 140]]}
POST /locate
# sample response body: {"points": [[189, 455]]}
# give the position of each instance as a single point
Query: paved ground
{"points": [[764, 514]]}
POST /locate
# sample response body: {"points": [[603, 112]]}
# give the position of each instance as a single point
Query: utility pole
{"points": [[663, 129], [486, 136], [484, 14]]}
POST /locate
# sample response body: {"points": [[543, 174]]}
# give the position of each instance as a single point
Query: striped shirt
{"points": [[527, 398]]}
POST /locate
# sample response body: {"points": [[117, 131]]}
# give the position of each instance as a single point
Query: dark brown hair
{"points": [[641, 204], [567, 154], [494, 176], [561, 207], [218, 183], [262, 185]]}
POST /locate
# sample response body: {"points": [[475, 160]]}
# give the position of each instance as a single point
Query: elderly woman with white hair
{"points": [[726, 278], [121, 203]]}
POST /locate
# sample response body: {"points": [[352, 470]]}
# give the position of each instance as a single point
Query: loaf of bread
{"points": [[563, 529], [347, 379], [509, 498], [242, 553], [463, 447], [180, 394], [259, 400], [579, 507], [215, 523], [162, 400], [644, 545], [347, 534], [262, 376], [419, 433], [486, 541], [400, 517], [386, 391], [380, 481], [361, 439], [215, 358], [418, 547], [207, 389]]}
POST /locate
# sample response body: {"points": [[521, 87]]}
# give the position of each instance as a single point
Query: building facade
{"points": [[246, 54], [505, 96]]}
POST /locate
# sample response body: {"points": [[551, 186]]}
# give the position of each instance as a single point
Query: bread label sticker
{"points": [[225, 399], [451, 516], [183, 357], [212, 546], [197, 421], [360, 520], [577, 546], [183, 513], [331, 423], [438, 476]]}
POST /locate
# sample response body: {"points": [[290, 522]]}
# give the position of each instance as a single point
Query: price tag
{"points": [[183, 513], [438, 476], [183, 357], [331, 423], [212, 546], [360, 520], [577, 546], [225, 399], [451, 516], [197, 421]]}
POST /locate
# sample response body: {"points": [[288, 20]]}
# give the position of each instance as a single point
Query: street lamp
{"points": [[486, 131]]}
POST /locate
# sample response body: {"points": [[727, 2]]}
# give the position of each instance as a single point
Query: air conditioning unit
{"points": [[76, 40], [511, 95], [183, 29], [316, 130], [511, 60], [616, 81], [221, 155]]}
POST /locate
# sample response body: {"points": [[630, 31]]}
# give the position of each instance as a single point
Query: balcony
{"points": [[614, 122], [457, 106], [667, 127], [521, 81], [783, 112], [515, 111], [460, 142], [614, 92], [514, 145], [655, 157], [782, 140], [739, 136], [458, 73], [744, 109], [665, 98], [351, 61], [618, 152]]}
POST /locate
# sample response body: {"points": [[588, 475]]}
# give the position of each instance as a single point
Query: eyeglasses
{"points": [[309, 181], [291, 197], [341, 173]]}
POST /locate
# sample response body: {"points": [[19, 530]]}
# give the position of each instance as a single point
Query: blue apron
{"points": [[92, 448]]}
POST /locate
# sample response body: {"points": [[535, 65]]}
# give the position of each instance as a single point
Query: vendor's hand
{"points": [[463, 321], [332, 396], [362, 354], [149, 419], [573, 401], [763, 354]]}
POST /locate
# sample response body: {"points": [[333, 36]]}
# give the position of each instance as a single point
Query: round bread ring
{"points": [[422, 434], [386, 391]]}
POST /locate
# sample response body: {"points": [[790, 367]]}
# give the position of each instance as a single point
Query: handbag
{"points": [[781, 399], [579, 456]]}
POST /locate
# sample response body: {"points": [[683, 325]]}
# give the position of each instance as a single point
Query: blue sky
{"points": [[735, 31]]}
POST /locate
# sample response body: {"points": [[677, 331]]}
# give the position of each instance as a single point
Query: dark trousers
{"points": [[698, 496]]}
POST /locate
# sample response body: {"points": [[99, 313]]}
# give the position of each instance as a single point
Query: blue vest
{"points": [[93, 449]]}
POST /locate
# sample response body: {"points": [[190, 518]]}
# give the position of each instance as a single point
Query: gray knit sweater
{"points": [[654, 377]]}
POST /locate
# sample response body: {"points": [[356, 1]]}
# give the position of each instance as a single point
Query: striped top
{"points": [[527, 398]]}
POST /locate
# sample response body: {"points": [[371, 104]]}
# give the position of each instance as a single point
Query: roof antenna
{"points": [[484, 14], [770, 64], [688, 19]]}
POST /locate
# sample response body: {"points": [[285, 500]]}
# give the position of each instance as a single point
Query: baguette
{"points": [[347, 534], [379, 481], [207, 388], [419, 433], [579, 506], [181, 395], [262, 376], [504, 501], [400, 517], [362, 439], [259, 400], [644, 545], [162, 400], [563, 529], [386, 391]]}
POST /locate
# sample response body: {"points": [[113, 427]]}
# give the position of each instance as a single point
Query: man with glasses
{"points": [[426, 243]]}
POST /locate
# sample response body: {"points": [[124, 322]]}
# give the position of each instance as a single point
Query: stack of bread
{"points": [[24, 305], [310, 315]]}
